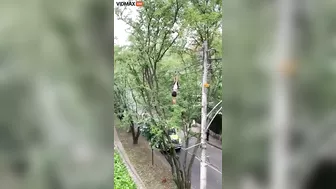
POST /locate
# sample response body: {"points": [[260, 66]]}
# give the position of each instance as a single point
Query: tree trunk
{"points": [[179, 172], [183, 183], [135, 135]]}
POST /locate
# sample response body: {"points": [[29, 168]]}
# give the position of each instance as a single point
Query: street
{"points": [[214, 170]]}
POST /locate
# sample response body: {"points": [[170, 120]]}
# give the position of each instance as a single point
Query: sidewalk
{"points": [[212, 140], [119, 147], [215, 142]]}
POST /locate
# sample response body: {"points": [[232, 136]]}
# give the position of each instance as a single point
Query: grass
{"points": [[122, 179]]}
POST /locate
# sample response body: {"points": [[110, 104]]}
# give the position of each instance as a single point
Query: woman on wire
{"points": [[175, 88]]}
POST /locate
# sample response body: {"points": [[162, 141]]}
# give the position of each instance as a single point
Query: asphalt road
{"points": [[214, 175]]}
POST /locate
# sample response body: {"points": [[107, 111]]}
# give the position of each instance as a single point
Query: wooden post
{"points": [[152, 156]]}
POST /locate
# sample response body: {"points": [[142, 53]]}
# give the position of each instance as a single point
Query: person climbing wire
{"points": [[175, 88]]}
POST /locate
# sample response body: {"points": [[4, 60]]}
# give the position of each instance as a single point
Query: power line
{"points": [[184, 68]]}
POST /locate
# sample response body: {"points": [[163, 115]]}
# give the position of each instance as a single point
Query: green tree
{"points": [[126, 103], [154, 33], [202, 22]]}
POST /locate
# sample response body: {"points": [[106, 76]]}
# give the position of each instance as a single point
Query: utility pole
{"points": [[205, 85], [281, 101]]}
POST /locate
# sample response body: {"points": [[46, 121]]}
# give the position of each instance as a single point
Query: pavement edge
{"points": [[128, 164]]}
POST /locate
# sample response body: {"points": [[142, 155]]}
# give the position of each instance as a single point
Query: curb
{"points": [[216, 146], [136, 178]]}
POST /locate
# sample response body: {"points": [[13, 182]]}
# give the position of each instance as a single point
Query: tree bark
{"points": [[135, 135]]}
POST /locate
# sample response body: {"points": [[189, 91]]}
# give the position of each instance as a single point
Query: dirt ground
{"points": [[140, 155]]}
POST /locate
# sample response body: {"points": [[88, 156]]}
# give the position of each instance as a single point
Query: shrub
{"points": [[122, 179]]}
